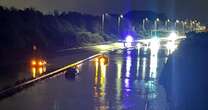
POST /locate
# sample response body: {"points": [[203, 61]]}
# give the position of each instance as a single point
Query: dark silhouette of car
{"points": [[71, 73]]}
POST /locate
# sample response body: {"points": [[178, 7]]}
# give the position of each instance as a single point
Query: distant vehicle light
{"points": [[173, 36], [139, 45], [40, 63], [38, 66], [102, 60], [129, 39], [33, 62], [171, 46]]}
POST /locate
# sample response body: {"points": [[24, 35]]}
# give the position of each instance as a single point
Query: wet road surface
{"points": [[123, 81]]}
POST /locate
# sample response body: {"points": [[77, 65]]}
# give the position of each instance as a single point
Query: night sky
{"points": [[192, 9]]}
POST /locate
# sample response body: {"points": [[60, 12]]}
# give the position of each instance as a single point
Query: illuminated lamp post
{"points": [[177, 21], [143, 23], [119, 22], [156, 26], [103, 21], [166, 24]]}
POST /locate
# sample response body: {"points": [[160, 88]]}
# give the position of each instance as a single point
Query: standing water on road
{"points": [[123, 79]]}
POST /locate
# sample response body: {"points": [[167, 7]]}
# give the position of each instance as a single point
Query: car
{"points": [[71, 73]]}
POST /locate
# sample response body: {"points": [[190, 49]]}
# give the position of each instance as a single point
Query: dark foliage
{"points": [[21, 29], [185, 74]]}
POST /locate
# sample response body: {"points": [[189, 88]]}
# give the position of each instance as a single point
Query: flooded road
{"points": [[122, 80], [38, 66]]}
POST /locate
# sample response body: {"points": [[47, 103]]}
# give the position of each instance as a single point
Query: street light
{"points": [[166, 23], [119, 22], [198, 25], [157, 20], [143, 23], [192, 25], [103, 21], [183, 25], [173, 36], [177, 21]]}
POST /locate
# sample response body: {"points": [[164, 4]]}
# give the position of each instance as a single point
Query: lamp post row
{"points": [[193, 24]]}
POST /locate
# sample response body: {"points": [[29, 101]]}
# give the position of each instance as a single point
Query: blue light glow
{"points": [[129, 39], [128, 66]]}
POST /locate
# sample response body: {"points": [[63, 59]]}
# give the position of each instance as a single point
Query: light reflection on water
{"points": [[153, 63], [118, 80], [102, 79], [123, 82], [138, 65], [127, 81], [37, 71], [128, 64], [135, 77], [100, 64], [144, 64], [38, 67]]}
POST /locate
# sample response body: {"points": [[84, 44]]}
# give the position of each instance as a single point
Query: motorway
{"points": [[127, 81], [11, 75]]}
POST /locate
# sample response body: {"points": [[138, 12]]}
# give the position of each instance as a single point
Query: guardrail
{"points": [[12, 90]]}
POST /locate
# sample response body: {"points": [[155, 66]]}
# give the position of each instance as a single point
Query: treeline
{"points": [[21, 29]]}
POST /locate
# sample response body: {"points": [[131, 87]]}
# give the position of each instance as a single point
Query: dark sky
{"points": [[193, 9]]}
